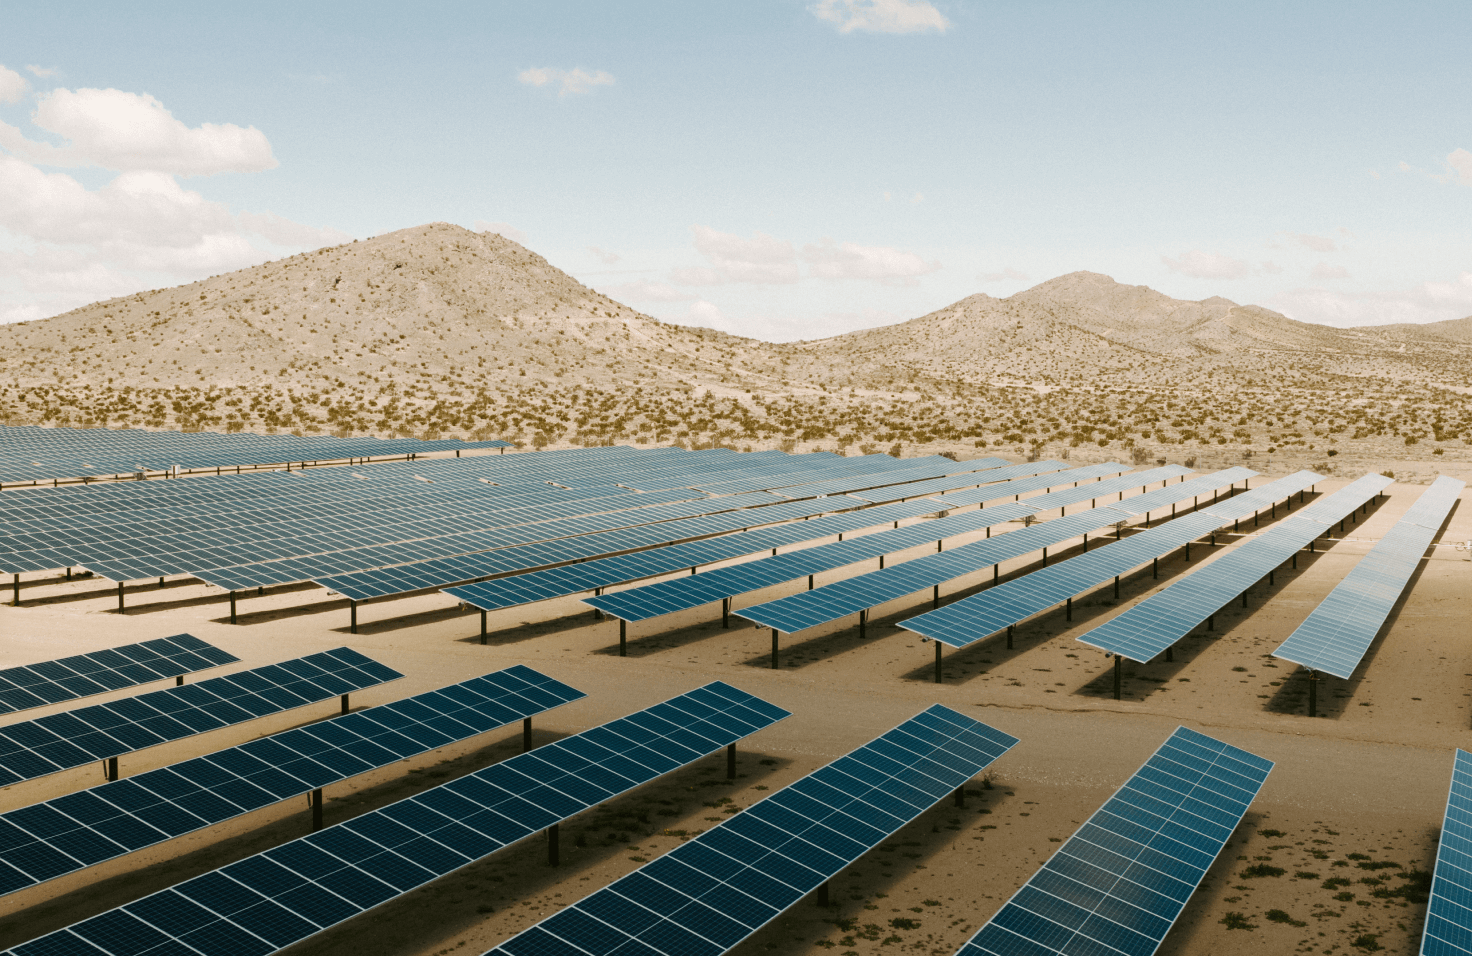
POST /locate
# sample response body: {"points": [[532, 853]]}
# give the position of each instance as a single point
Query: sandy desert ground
{"points": [[1357, 794]]}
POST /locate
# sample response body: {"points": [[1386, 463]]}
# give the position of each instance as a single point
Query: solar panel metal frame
{"points": [[1123, 903], [984, 614], [50, 839], [97, 672], [1337, 634], [1145, 630], [37, 748], [318, 881], [711, 892]]}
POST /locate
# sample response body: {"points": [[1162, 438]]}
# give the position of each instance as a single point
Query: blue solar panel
{"points": [[842, 598], [58, 742], [1021, 486], [992, 610], [1448, 930], [1121, 881], [574, 579], [1148, 628], [51, 839], [50, 682], [271, 900], [710, 893], [1335, 637]]}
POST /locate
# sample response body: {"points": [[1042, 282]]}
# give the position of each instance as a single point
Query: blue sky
{"points": [[782, 169]]}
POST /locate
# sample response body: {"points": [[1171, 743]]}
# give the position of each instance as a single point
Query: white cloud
{"points": [[133, 132], [570, 81], [642, 290], [1427, 302], [63, 244], [1325, 271], [881, 16], [1316, 243], [1206, 265], [760, 259], [849, 260], [13, 86], [607, 258], [500, 228], [43, 72], [1006, 274], [1459, 161]]}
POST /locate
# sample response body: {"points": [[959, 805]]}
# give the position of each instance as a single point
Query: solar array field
{"points": [[627, 530]]}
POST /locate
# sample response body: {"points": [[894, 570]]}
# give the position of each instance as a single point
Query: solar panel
{"points": [[1448, 930], [1021, 486], [708, 894], [664, 597], [842, 598], [576, 578], [50, 682], [1335, 637], [428, 574], [56, 742], [1121, 881], [983, 614], [70, 833], [269, 901], [1148, 628]]}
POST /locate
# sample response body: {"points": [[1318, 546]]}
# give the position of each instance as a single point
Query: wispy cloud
{"points": [[643, 290], [849, 260], [1206, 265], [1427, 302], [881, 16], [569, 82], [1459, 161], [761, 259], [42, 72]]}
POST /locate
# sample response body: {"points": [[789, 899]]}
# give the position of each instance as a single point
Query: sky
{"points": [[786, 169]]}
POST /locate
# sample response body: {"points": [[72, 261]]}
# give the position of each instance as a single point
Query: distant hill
{"points": [[439, 330]]}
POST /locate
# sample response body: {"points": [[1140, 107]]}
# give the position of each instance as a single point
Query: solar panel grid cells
{"points": [[279, 897], [1448, 928], [1120, 882], [50, 682], [540, 585], [46, 840], [708, 894], [58, 742]]}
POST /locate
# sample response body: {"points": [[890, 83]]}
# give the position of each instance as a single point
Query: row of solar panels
{"points": [[1140, 856], [31, 453], [156, 552]]}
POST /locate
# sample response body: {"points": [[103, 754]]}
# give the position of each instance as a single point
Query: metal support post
{"points": [[1009, 637], [344, 703], [1170, 654], [179, 681], [1117, 660], [1155, 568], [935, 597], [15, 585], [1086, 543], [111, 772], [726, 612], [1188, 550], [937, 661], [316, 809], [810, 582], [1295, 560], [1116, 587], [482, 625], [863, 623], [823, 894], [961, 796], [526, 734], [623, 638], [120, 598], [1313, 693], [232, 607], [1045, 557], [1211, 622], [881, 562], [775, 663], [552, 848], [730, 761], [995, 574], [1244, 598], [1068, 612]]}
